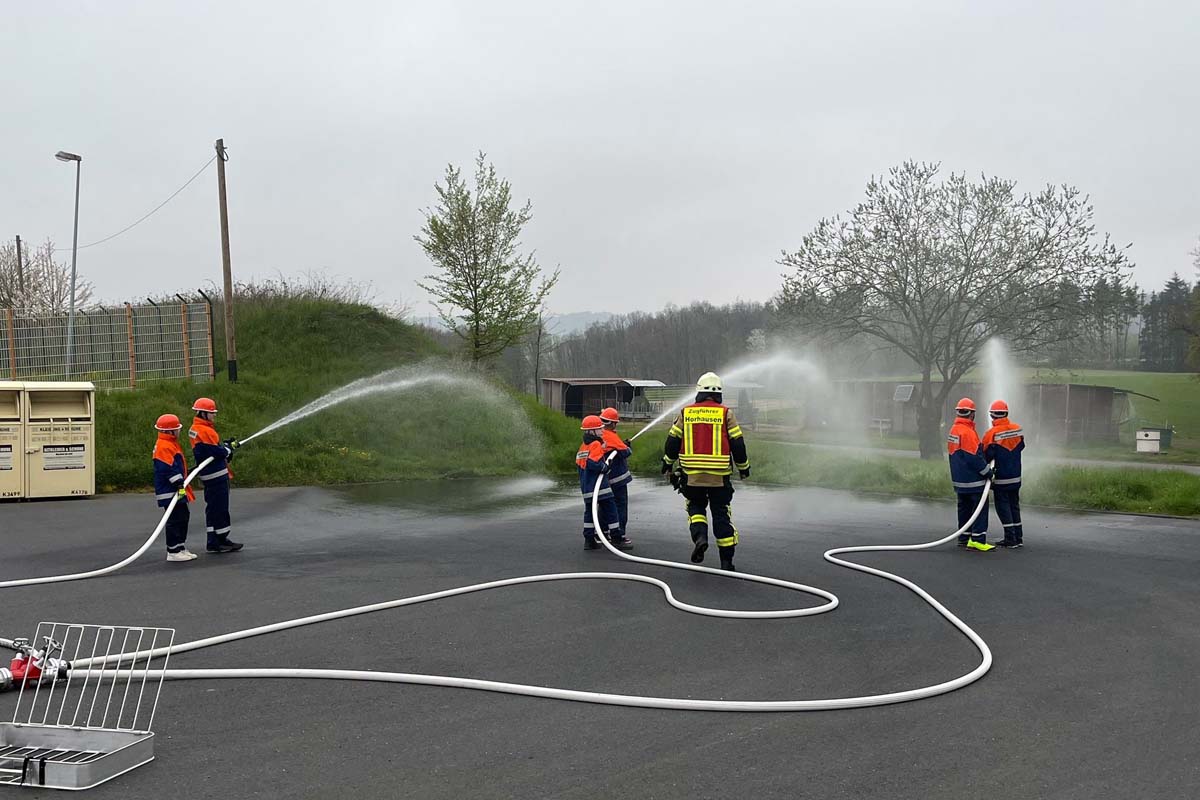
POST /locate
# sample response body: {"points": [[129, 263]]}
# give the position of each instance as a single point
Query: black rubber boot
{"points": [[726, 554], [221, 544], [621, 542], [592, 544], [698, 550]]}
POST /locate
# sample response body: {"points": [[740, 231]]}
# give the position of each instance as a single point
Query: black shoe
{"points": [[963, 542], [698, 551], [1018, 544], [592, 544], [621, 543], [1006, 543], [727, 565], [223, 546]]}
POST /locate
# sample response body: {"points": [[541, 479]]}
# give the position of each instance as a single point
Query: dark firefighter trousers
{"points": [[610, 525], [216, 510], [177, 526], [721, 499], [966, 507], [1008, 509], [621, 498]]}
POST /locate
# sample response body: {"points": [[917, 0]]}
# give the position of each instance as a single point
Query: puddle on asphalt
{"points": [[467, 496]]}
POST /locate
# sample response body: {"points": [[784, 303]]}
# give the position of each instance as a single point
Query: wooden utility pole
{"points": [[230, 340], [20, 273]]}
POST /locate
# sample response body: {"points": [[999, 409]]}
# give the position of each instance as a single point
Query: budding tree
{"points": [[37, 282], [485, 291], [936, 267]]}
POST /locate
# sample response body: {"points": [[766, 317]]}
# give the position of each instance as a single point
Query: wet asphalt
{"points": [[1095, 627]]}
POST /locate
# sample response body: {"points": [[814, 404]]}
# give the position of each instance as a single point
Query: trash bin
{"points": [[1153, 440], [12, 442], [60, 439]]}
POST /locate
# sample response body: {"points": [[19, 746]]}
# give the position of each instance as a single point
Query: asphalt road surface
{"points": [[1095, 627]]}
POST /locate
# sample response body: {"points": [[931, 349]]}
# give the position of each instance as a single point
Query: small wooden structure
{"points": [[1056, 412], [578, 397]]}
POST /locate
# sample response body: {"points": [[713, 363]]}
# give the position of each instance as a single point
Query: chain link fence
{"points": [[116, 347]]}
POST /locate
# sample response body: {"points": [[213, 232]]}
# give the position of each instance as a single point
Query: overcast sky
{"points": [[671, 150]]}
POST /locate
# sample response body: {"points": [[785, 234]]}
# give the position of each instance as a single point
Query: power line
{"points": [[152, 211]]}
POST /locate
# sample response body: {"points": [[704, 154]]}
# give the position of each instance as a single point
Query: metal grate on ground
{"points": [[115, 347], [87, 717]]}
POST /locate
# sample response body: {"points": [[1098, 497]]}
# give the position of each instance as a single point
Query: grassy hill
{"points": [[292, 350]]}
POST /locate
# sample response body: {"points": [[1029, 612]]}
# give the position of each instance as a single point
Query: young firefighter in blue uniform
{"points": [[170, 468], [619, 475], [1002, 445], [593, 477], [969, 473], [207, 444]]}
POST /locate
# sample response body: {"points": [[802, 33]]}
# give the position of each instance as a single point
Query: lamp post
{"points": [[62, 155]]}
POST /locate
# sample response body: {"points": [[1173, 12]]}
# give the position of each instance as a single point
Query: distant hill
{"points": [[559, 324], [562, 324]]}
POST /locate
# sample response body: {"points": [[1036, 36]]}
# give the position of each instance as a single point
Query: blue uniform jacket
{"points": [[1003, 445], [207, 444], [169, 470], [967, 464], [590, 460], [619, 470]]}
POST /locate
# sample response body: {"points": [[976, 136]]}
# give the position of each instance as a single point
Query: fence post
{"points": [[212, 355], [12, 345], [187, 351], [132, 350]]}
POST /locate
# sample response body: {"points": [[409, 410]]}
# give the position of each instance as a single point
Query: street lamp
{"points": [[62, 155]]}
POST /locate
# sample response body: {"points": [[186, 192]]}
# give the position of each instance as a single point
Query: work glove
{"points": [[666, 467], [676, 484], [987, 473], [182, 491], [744, 473], [232, 444]]}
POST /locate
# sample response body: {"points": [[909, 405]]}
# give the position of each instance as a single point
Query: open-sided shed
{"points": [[577, 397]]}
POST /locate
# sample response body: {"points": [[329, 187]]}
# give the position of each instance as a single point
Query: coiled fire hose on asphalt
{"points": [[830, 602]]}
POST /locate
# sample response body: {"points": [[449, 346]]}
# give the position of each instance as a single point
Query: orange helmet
{"points": [[591, 423], [168, 422], [610, 415], [205, 404], [999, 409], [965, 406]]}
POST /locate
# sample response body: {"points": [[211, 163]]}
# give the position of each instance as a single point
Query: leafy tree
{"points": [[935, 268], [486, 292]]}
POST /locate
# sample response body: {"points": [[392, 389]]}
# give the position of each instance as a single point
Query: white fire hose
{"points": [[830, 602]]}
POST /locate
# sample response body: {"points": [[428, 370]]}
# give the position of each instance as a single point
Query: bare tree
{"points": [[486, 292], [935, 268], [38, 283]]}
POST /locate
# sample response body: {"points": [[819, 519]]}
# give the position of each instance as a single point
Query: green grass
{"points": [[293, 350], [1095, 488], [1178, 406]]}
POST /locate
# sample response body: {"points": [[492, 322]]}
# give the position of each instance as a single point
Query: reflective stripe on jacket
{"points": [[590, 460], [207, 444], [170, 469], [967, 464], [619, 472], [1003, 444]]}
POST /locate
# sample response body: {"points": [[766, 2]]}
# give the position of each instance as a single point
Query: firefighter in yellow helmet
{"points": [[703, 447]]}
